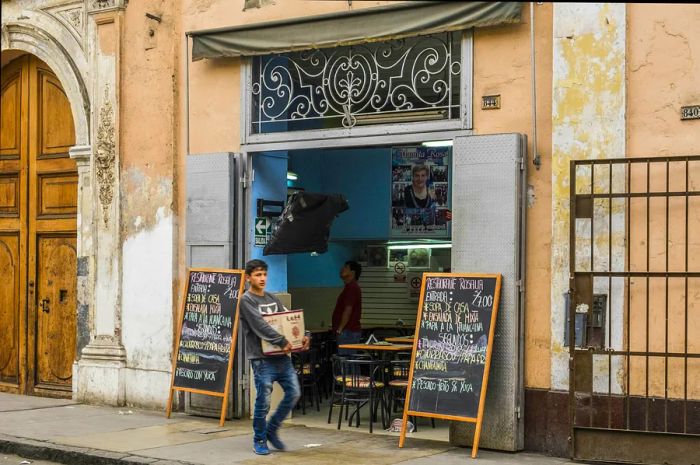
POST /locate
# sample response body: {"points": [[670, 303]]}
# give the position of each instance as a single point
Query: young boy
{"points": [[266, 368]]}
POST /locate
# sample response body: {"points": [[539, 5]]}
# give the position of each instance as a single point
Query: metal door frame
{"points": [[604, 426], [238, 404]]}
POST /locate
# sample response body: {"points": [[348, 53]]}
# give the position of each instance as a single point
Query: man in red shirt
{"points": [[348, 308]]}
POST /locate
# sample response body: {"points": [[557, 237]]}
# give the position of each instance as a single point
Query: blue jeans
{"points": [[348, 337], [266, 371]]}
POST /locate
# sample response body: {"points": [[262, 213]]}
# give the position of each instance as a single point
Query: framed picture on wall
{"points": [[420, 191]]}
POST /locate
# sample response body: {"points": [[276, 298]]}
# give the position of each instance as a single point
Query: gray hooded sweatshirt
{"points": [[253, 325]]}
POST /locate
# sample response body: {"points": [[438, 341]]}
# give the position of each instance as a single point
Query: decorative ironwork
{"points": [[413, 79], [104, 160]]}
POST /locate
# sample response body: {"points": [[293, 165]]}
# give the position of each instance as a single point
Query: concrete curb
{"points": [[43, 450]]}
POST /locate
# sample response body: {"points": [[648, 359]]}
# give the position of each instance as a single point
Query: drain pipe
{"points": [[536, 156]]}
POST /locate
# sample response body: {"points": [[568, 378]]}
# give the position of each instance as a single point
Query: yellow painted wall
{"points": [[214, 84], [149, 104], [502, 66], [663, 74]]}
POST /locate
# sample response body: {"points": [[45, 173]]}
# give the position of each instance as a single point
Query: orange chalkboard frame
{"points": [[234, 337], [489, 348]]}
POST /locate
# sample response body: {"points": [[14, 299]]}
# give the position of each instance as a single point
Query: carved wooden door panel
{"points": [[47, 195], [14, 84]]}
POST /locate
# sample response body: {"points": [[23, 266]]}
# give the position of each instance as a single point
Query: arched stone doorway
{"points": [[38, 231]]}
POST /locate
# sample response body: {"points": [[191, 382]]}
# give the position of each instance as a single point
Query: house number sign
{"points": [[490, 102], [690, 112]]}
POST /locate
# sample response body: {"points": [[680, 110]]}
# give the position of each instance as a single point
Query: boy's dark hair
{"points": [[254, 265], [356, 267]]}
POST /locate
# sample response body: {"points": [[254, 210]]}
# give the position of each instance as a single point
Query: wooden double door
{"points": [[38, 210]]}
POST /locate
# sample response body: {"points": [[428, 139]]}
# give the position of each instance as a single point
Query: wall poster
{"points": [[420, 191]]}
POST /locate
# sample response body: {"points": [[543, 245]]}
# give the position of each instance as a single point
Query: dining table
{"points": [[381, 350], [388, 347], [401, 339]]}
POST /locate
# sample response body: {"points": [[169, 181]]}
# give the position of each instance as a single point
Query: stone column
{"points": [[100, 376], [82, 154]]}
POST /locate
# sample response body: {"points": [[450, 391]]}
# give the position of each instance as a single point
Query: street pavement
{"points": [[67, 432]]}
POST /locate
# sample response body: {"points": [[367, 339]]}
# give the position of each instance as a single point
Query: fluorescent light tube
{"points": [[438, 143]]}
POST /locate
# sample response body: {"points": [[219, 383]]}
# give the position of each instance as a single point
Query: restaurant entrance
{"points": [[393, 239], [477, 190]]}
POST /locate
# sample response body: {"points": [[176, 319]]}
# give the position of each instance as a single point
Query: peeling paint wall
{"points": [[148, 182], [588, 122]]}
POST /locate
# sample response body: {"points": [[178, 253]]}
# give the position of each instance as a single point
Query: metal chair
{"points": [[398, 371], [307, 366], [358, 382]]}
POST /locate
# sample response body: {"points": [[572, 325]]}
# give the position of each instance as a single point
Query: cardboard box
{"points": [[290, 325]]}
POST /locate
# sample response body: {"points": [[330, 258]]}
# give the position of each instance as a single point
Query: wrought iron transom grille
{"points": [[412, 79]]}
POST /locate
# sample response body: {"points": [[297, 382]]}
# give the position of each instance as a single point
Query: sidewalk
{"points": [[67, 432]]}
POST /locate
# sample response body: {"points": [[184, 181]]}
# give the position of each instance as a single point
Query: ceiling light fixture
{"points": [[419, 246]]}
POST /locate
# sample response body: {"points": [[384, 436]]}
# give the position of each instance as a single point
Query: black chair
{"points": [[358, 382], [398, 371], [326, 350], [307, 366], [336, 380]]}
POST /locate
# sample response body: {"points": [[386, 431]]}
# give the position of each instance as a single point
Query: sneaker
{"points": [[260, 448], [274, 439]]}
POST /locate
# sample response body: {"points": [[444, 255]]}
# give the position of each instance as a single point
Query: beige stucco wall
{"points": [[663, 74], [214, 84], [150, 144], [502, 66]]}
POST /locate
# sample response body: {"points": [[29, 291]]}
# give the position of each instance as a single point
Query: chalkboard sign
{"points": [[207, 333], [452, 348]]}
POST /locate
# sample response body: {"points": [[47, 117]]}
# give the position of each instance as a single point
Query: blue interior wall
{"points": [[270, 184], [321, 270], [363, 177]]}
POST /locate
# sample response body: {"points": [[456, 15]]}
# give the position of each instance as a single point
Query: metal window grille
{"points": [[406, 80]]}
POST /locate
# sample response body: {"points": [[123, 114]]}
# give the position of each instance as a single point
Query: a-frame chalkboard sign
{"points": [[452, 349], [206, 337]]}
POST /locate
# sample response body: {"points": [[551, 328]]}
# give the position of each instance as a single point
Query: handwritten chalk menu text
{"points": [[454, 328], [207, 328]]}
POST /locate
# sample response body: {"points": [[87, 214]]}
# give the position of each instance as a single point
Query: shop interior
{"points": [[393, 243]]}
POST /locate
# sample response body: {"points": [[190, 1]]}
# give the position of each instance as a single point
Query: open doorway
{"points": [[397, 227]]}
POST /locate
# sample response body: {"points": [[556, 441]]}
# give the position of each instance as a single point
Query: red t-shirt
{"points": [[351, 295]]}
